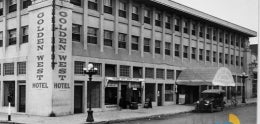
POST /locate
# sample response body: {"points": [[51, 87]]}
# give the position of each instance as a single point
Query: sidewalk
{"points": [[108, 116]]}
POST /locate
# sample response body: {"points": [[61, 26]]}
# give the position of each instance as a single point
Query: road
{"points": [[246, 114]]}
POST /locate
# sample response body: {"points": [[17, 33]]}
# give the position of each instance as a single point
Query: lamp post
{"points": [[90, 70], [243, 76]]}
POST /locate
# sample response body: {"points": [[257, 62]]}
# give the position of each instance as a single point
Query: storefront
{"points": [[126, 90], [191, 82]]}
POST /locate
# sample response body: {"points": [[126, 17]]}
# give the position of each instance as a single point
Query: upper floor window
{"points": [[76, 2], [12, 5], [78, 67], [177, 49], [122, 9], [108, 6], [214, 56], [25, 34], [201, 54], [214, 34], [124, 70], [160, 73], [237, 41], [135, 42], [207, 55], [168, 22], [193, 30], [226, 38], [193, 53], [185, 27], [93, 4], [147, 16], [157, 46], [158, 19], [1, 7], [177, 24], [92, 35], [170, 74], [149, 73], [208, 33], [21, 67], [185, 51], [232, 60], [108, 38], [8, 68], [122, 40], [221, 37], [110, 70], [135, 15], [167, 48], [76, 32], [1, 39], [201, 31], [237, 60], [147, 44], [12, 36], [137, 72], [220, 57], [242, 61], [98, 66], [232, 40]]}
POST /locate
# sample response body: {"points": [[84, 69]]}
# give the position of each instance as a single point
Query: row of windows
{"points": [[12, 5], [196, 29], [124, 71], [8, 68], [12, 34]]}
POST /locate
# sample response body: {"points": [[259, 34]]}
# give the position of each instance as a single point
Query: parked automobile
{"points": [[211, 100]]}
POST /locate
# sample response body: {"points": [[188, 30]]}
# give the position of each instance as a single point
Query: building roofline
{"points": [[205, 16]]}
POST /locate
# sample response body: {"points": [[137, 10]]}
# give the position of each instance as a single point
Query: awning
{"points": [[206, 76]]}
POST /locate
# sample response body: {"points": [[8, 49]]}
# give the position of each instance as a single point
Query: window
{"points": [[149, 73], [208, 33], [232, 60], [12, 5], [21, 68], [98, 66], [147, 45], [226, 39], [232, 40], [12, 37], [160, 73], [177, 24], [92, 4], [110, 70], [168, 22], [237, 42], [169, 92], [122, 9], [122, 40], [26, 3], [8, 68], [134, 42], [147, 16], [193, 53], [135, 15], [137, 72], [185, 51], [193, 30], [201, 54], [242, 43], [214, 56], [221, 37], [185, 28], [78, 67], [76, 32], [220, 57], [9, 91], [158, 19], [108, 6], [1, 7], [207, 55], [214, 34], [201, 32], [178, 72], [242, 61], [226, 58], [167, 48], [108, 38], [177, 50], [1, 39], [124, 71], [92, 35], [157, 46], [25, 34], [237, 60], [170, 74]]}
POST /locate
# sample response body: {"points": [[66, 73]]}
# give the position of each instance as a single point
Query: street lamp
{"points": [[243, 76], [90, 70]]}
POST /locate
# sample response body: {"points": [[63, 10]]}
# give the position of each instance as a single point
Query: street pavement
{"points": [[107, 116]]}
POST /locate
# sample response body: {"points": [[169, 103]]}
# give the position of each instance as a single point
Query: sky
{"points": [[241, 12]]}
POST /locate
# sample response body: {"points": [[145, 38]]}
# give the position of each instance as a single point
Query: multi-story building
{"points": [[139, 47]]}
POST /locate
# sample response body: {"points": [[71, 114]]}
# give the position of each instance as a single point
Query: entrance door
{"points": [[21, 98], [159, 95], [123, 96], [78, 99]]}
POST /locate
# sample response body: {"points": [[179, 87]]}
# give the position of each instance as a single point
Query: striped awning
{"points": [[206, 76]]}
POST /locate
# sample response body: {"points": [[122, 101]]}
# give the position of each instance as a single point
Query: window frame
{"points": [[108, 38], [147, 42], [12, 34], [122, 40], [135, 43], [93, 5], [76, 33], [93, 36], [167, 48]]}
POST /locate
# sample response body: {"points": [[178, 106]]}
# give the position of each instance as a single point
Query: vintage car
{"points": [[211, 100]]}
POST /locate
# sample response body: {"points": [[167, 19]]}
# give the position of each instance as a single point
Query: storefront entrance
{"points": [[22, 96], [159, 95], [78, 97], [189, 93]]}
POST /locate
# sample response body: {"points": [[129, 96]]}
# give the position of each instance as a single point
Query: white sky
{"points": [[240, 12]]}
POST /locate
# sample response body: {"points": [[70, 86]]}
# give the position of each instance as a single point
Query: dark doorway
{"points": [[159, 95], [22, 98], [191, 93], [124, 97], [78, 99]]}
